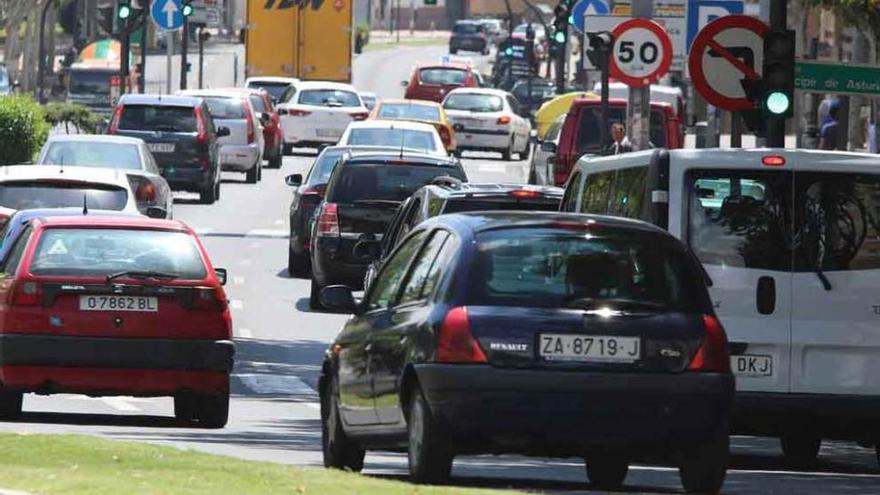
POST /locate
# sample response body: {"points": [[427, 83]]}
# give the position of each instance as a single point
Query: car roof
{"points": [[272, 79], [407, 125], [483, 221], [593, 101], [472, 188], [469, 21], [25, 215], [201, 93], [306, 85], [480, 91], [447, 65], [360, 149], [160, 100], [115, 221], [93, 138], [404, 101], [396, 157], [112, 176]]}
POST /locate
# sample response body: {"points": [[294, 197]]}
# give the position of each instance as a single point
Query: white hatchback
{"points": [[488, 120], [25, 187], [319, 113], [410, 136]]}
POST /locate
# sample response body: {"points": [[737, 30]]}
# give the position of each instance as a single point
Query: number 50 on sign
{"points": [[642, 52]]}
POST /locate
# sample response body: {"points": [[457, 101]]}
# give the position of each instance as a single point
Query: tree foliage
{"points": [[863, 14], [23, 129]]}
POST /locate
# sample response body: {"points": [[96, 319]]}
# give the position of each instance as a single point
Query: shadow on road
{"points": [[99, 420]]}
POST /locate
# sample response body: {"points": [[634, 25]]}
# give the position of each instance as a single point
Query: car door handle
{"points": [[765, 299]]}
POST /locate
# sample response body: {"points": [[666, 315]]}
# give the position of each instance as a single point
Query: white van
{"points": [[791, 242]]}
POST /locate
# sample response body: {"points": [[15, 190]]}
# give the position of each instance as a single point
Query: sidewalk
{"points": [[382, 36]]}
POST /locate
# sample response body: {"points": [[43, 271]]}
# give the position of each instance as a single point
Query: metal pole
{"points": [[735, 130], [202, 57], [142, 81], [776, 126], [397, 21], [184, 53], [41, 67], [603, 127], [530, 58], [169, 38], [124, 60], [560, 65], [639, 106]]}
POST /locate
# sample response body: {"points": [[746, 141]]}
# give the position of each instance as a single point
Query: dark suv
{"points": [[362, 196], [181, 135], [469, 35], [451, 197]]}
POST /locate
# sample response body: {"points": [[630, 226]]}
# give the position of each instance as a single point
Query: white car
{"points": [[410, 136], [488, 120], [541, 168], [281, 89], [319, 113], [242, 149], [25, 187], [128, 154], [790, 242]]}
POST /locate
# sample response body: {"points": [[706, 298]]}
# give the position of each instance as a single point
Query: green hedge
{"points": [[23, 129], [71, 114]]}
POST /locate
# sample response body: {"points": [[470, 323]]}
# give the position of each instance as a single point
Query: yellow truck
{"points": [[305, 39]]}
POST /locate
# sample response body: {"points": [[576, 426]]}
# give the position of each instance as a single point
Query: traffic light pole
{"points": [[560, 66], [775, 125], [184, 52]]}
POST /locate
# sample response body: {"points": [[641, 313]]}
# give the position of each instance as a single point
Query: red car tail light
{"points": [[712, 354], [202, 137], [503, 120], [296, 112], [208, 299], [317, 191], [114, 122], [145, 192], [773, 161], [251, 129], [445, 135], [456, 343], [25, 294], [205, 164], [525, 193], [328, 221], [360, 115]]}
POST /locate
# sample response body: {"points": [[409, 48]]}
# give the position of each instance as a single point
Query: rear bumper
{"points": [[333, 263], [239, 157], [188, 178], [301, 132], [567, 413], [824, 415], [469, 139]]}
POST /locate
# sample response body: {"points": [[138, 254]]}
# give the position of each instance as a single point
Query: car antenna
{"points": [[85, 204], [401, 141]]}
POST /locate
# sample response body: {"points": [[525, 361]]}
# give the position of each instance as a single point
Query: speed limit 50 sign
{"points": [[642, 52]]}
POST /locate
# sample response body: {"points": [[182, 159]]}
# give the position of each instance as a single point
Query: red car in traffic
{"points": [[434, 82], [108, 306]]}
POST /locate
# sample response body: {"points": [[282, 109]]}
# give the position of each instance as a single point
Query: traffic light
{"points": [[123, 11], [600, 47], [187, 8], [777, 95], [561, 19]]}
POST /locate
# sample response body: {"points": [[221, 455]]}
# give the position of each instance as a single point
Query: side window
{"points": [[152, 166], [569, 201], [388, 281], [629, 192], [10, 265], [596, 191], [514, 104], [443, 260], [412, 289]]}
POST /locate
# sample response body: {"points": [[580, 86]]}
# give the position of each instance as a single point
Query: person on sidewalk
{"points": [[830, 129], [619, 142]]}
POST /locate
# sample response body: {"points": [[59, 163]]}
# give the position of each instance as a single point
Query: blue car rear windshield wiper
{"points": [[142, 274]]}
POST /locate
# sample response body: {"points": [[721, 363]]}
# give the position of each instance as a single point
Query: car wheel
{"points": [[453, 51], [297, 264], [209, 195], [339, 451], [507, 155], [607, 471], [704, 466], [10, 404], [800, 450], [277, 160], [217, 190], [533, 177], [287, 149], [315, 295], [253, 175], [430, 453], [212, 411], [184, 408]]}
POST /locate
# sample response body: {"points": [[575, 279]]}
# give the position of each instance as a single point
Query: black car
{"points": [[451, 197], [363, 194], [544, 334], [471, 36], [307, 194], [181, 135], [542, 91]]}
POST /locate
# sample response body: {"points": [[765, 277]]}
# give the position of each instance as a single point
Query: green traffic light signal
{"points": [[187, 10], [559, 37], [124, 12], [571, 20], [509, 51], [777, 102]]}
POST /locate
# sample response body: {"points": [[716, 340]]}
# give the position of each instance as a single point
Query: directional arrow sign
{"points": [[588, 7], [167, 14]]}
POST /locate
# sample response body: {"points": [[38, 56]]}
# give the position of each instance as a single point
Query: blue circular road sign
{"points": [[591, 7], [167, 14]]}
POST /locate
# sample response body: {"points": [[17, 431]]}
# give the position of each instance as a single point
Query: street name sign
{"points": [[167, 14], [642, 52], [837, 78], [726, 51]]}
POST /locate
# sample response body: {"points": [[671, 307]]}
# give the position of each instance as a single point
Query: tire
{"points": [[453, 51], [315, 296], [278, 160], [800, 450], [877, 453], [253, 175], [430, 452], [209, 196], [607, 471], [339, 451], [217, 191], [533, 177], [703, 467], [212, 411], [10, 404], [507, 155], [184, 408], [287, 149], [297, 264]]}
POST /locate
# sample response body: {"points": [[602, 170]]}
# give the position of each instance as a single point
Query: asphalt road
{"points": [[274, 411]]}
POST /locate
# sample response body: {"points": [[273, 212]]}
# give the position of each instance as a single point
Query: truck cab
{"points": [[88, 84], [581, 131]]}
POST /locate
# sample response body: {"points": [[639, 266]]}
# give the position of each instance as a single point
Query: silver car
{"points": [[130, 155], [242, 149], [541, 168]]}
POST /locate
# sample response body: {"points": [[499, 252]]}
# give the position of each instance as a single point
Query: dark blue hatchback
{"points": [[541, 334]]}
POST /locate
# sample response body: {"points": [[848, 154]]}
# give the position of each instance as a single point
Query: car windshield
{"points": [[467, 28], [275, 90], [409, 111], [226, 108], [473, 102], [540, 91], [103, 252], [396, 182], [158, 118], [506, 203], [591, 118], [329, 97], [93, 154], [549, 267], [90, 82], [403, 138], [26, 195], [449, 77]]}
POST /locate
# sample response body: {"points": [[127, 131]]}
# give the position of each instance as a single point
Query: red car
{"points": [[108, 306], [434, 82], [273, 135]]}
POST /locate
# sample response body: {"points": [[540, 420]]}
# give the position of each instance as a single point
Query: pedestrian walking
{"points": [[620, 143], [831, 128]]}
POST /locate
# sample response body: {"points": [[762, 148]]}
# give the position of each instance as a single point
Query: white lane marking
{"points": [[270, 233], [277, 384], [236, 304], [119, 403], [245, 333], [238, 280]]}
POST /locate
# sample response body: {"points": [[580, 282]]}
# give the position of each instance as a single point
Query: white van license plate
{"points": [[751, 365], [119, 303], [590, 348], [161, 147]]}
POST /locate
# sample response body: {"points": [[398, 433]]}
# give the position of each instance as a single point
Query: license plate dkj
{"points": [[590, 348], [119, 303]]}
